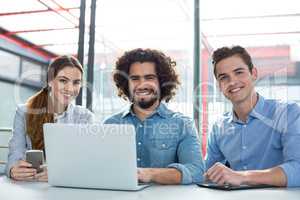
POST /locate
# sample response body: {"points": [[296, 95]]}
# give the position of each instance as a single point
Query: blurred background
{"points": [[32, 32]]}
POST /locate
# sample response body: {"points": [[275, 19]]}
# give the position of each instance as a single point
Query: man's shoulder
{"points": [[223, 119], [280, 107], [177, 116], [116, 118]]}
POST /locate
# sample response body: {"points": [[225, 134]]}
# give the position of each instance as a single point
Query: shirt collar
{"points": [[64, 114], [161, 110], [256, 112], [127, 111]]}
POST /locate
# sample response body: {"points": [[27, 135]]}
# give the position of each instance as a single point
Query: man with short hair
{"points": [[168, 147], [260, 138]]}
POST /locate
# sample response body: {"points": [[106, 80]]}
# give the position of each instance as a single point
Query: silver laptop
{"points": [[91, 156]]}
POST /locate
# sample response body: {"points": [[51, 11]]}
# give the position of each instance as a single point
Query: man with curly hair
{"points": [[260, 137], [168, 147]]}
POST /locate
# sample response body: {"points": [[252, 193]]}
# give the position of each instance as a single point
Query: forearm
{"points": [[165, 176], [273, 176]]}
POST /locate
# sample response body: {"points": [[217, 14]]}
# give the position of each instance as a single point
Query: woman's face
{"points": [[66, 85]]}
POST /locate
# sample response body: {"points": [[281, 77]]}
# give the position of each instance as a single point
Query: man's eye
{"points": [[150, 77], [62, 81], [134, 78], [222, 78], [77, 82]]}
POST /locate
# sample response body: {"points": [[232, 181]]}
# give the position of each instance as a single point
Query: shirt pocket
{"points": [[163, 152], [164, 144]]}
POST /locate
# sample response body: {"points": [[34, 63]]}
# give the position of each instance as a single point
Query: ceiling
{"points": [[53, 24], [163, 24]]}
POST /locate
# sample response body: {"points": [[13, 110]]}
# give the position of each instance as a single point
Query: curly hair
{"points": [[226, 52], [164, 67]]}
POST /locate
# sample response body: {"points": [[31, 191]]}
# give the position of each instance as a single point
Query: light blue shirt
{"points": [[165, 139], [20, 141], [270, 137]]}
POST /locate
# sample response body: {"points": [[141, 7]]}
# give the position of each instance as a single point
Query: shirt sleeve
{"points": [[213, 153], [90, 117], [190, 162], [82, 116], [17, 144], [291, 143]]}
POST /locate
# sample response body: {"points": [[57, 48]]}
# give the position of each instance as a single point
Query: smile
{"points": [[67, 95], [234, 90], [143, 92]]}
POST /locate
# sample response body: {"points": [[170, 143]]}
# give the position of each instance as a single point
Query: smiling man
{"points": [[259, 138], [168, 147]]}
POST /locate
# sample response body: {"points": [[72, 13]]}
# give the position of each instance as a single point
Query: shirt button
{"points": [[138, 159], [245, 167], [140, 125], [139, 143], [244, 147], [163, 145]]}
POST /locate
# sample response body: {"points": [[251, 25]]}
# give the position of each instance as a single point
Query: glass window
{"points": [[14, 94], [271, 40], [9, 65], [32, 71], [169, 31]]}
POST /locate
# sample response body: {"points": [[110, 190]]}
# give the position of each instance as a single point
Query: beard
{"points": [[145, 104]]}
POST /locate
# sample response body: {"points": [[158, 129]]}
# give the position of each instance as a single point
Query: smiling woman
{"points": [[49, 105]]}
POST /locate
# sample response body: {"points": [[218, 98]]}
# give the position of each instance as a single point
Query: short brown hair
{"points": [[226, 52], [164, 67]]}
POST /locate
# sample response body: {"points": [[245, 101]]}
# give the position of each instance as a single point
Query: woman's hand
{"points": [[22, 171], [42, 176]]}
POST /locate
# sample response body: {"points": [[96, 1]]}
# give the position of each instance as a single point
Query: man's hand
{"points": [[145, 175], [167, 176], [222, 175]]}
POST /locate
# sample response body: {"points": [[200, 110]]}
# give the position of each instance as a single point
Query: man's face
{"points": [[143, 84], [235, 80]]}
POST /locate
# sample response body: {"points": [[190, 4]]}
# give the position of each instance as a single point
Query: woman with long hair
{"points": [[52, 104]]}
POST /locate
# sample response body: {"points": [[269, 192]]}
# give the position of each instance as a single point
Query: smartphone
{"points": [[36, 158]]}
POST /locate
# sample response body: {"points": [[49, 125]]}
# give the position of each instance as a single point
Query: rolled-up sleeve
{"points": [[213, 153], [190, 162], [291, 143], [291, 170], [17, 144]]}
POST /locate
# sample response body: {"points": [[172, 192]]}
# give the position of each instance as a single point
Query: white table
{"points": [[10, 190]]}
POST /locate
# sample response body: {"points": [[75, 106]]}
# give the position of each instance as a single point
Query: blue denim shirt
{"points": [[165, 140], [270, 137]]}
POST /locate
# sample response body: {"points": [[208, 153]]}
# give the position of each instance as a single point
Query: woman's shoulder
{"points": [[21, 108], [77, 109], [82, 114]]}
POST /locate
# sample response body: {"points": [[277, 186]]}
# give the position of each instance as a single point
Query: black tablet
{"points": [[231, 187]]}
